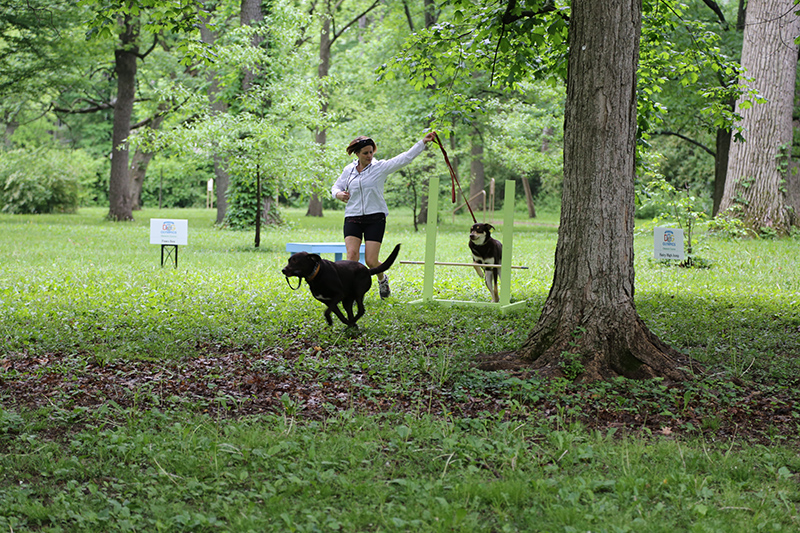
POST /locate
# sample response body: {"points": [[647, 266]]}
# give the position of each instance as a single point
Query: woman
{"points": [[361, 187]]}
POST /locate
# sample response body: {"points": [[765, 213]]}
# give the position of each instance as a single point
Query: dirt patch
{"points": [[508, 361], [235, 383]]}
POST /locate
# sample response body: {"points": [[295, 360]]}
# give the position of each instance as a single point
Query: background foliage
{"points": [[503, 84]]}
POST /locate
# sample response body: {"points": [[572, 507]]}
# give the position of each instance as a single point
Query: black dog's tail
{"points": [[386, 265]]}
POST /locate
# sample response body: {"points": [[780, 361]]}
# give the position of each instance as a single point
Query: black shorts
{"points": [[366, 227]]}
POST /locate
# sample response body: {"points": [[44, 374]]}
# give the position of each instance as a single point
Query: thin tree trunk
{"points": [[139, 163], [589, 328], [222, 180], [721, 154], [526, 185], [740, 14], [757, 169], [314, 203], [323, 69], [431, 17], [11, 127], [477, 170], [251, 14]]}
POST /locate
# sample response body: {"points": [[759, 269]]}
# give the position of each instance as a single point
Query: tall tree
{"points": [[590, 312], [131, 20], [329, 33], [755, 187], [687, 88]]}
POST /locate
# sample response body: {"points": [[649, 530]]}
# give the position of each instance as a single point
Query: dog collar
{"points": [[314, 274]]}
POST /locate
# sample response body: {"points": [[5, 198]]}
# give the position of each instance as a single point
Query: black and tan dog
{"points": [[486, 251], [330, 283]]}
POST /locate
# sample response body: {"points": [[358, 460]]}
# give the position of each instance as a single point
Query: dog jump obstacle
{"points": [[430, 262]]}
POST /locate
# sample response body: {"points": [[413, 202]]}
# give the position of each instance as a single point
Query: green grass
{"points": [[167, 473], [84, 294]]}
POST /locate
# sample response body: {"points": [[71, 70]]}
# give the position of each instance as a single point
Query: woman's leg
{"points": [[353, 247], [372, 250]]}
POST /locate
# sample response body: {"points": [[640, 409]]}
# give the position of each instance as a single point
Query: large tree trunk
{"points": [[757, 168], [590, 311], [793, 175], [119, 187]]}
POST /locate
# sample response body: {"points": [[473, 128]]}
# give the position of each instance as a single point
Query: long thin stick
{"points": [[453, 176], [458, 264]]}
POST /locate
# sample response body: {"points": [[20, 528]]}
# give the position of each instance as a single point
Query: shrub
{"points": [[727, 225], [44, 180]]}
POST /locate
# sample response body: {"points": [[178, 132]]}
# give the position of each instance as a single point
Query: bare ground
{"points": [[236, 383]]}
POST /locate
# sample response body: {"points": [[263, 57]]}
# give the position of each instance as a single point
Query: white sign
{"points": [[169, 231], [668, 243]]}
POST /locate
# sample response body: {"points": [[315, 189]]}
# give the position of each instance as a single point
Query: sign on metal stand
{"points": [[668, 243], [169, 233]]}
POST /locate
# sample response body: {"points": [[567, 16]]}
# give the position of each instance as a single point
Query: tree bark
{"points": [[721, 154], [250, 14], [589, 328], [526, 185], [221, 178], [119, 187], [757, 169], [793, 174], [431, 18], [139, 163], [323, 69], [477, 171], [314, 203]]}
